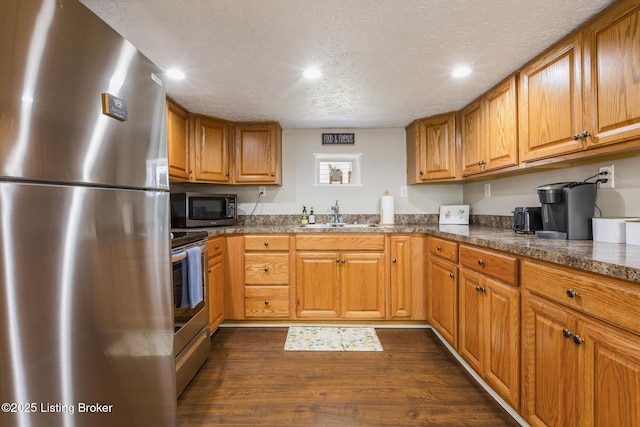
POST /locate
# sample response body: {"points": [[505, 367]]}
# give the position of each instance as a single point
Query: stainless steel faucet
{"points": [[336, 212]]}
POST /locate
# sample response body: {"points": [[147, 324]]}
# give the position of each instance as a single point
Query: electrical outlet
{"points": [[262, 191], [487, 190], [403, 192], [610, 177]]}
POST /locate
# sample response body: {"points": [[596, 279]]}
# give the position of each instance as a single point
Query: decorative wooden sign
{"points": [[338, 139]]}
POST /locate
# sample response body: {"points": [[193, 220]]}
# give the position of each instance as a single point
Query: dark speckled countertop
{"points": [[610, 259]]}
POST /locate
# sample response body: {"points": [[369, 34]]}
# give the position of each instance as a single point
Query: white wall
{"points": [[509, 192], [383, 168]]}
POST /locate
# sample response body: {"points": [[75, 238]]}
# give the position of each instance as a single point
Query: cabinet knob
{"points": [[480, 262], [480, 289], [266, 269], [266, 302], [190, 171], [577, 339], [439, 248], [451, 275], [209, 270], [567, 333], [344, 260], [266, 243], [226, 174], [394, 260], [571, 293], [585, 134], [337, 260], [576, 136], [273, 174], [216, 247], [421, 172]]}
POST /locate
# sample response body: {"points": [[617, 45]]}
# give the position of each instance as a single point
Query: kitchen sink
{"points": [[339, 225]]}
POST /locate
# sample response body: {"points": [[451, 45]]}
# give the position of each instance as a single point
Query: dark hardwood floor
{"points": [[249, 380]]}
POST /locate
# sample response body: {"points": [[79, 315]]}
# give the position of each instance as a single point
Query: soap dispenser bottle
{"points": [[312, 217], [304, 218]]}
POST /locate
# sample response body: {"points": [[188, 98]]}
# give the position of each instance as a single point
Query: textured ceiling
{"points": [[384, 62]]}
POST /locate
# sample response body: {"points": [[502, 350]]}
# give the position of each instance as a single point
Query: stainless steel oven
{"points": [[190, 304]]}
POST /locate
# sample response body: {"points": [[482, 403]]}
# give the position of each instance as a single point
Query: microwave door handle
{"points": [[227, 202]]}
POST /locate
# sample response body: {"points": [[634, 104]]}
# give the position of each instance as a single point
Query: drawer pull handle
{"points": [[577, 339], [266, 269], [394, 261], [266, 302], [567, 333], [451, 275], [480, 262], [571, 293]]}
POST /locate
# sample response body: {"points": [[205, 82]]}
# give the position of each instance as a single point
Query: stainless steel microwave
{"points": [[202, 209]]}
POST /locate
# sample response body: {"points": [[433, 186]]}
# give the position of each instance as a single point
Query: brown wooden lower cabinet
{"points": [[216, 279], [489, 332], [442, 301], [348, 285]]}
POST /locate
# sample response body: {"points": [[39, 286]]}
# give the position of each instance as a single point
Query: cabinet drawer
{"points": [[612, 300], [341, 242], [443, 249], [499, 266], [266, 301], [266, 269], [266, 242], [216, 246]]}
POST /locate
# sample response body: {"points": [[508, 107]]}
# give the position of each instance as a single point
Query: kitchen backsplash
{"points": [[494, 221]]}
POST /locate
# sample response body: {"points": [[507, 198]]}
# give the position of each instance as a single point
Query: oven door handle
{"points": [[182, 255]]}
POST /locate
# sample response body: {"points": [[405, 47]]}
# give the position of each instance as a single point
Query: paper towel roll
{"points": [[386, 210]]}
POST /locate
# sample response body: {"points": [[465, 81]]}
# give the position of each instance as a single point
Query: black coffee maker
{"points": [[567, 209]]}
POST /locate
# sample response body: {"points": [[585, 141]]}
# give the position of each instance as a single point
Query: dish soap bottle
{"points": [[304, 219], [312, 217]]}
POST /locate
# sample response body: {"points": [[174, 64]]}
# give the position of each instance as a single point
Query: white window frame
{"points": [[354, 158]]}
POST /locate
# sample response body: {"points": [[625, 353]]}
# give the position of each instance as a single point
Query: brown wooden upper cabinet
{"points": [[584, 93], [612, 82], [551, 118], [431, 149], [178, 142], [209, 150], [211, 143], [258, 154], [489, 130]]}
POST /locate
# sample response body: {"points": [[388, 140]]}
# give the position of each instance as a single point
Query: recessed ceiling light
{"points": [[312, 73], [461, 72], [175, 74]]}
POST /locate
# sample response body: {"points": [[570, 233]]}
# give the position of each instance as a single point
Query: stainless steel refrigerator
{"points": [[86, 327]]}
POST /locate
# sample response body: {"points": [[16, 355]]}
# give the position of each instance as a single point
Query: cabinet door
{"points": [[501, 365], [318, 284], [178, 142], [550, 364], [501, 147], [216, 291], [472, 319], [211, 162], [401, 280], [258, 153], [612, 85], [363, 285], [611, 374], [472, 138], [437, 142], [443, 299], [550, 99]]}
